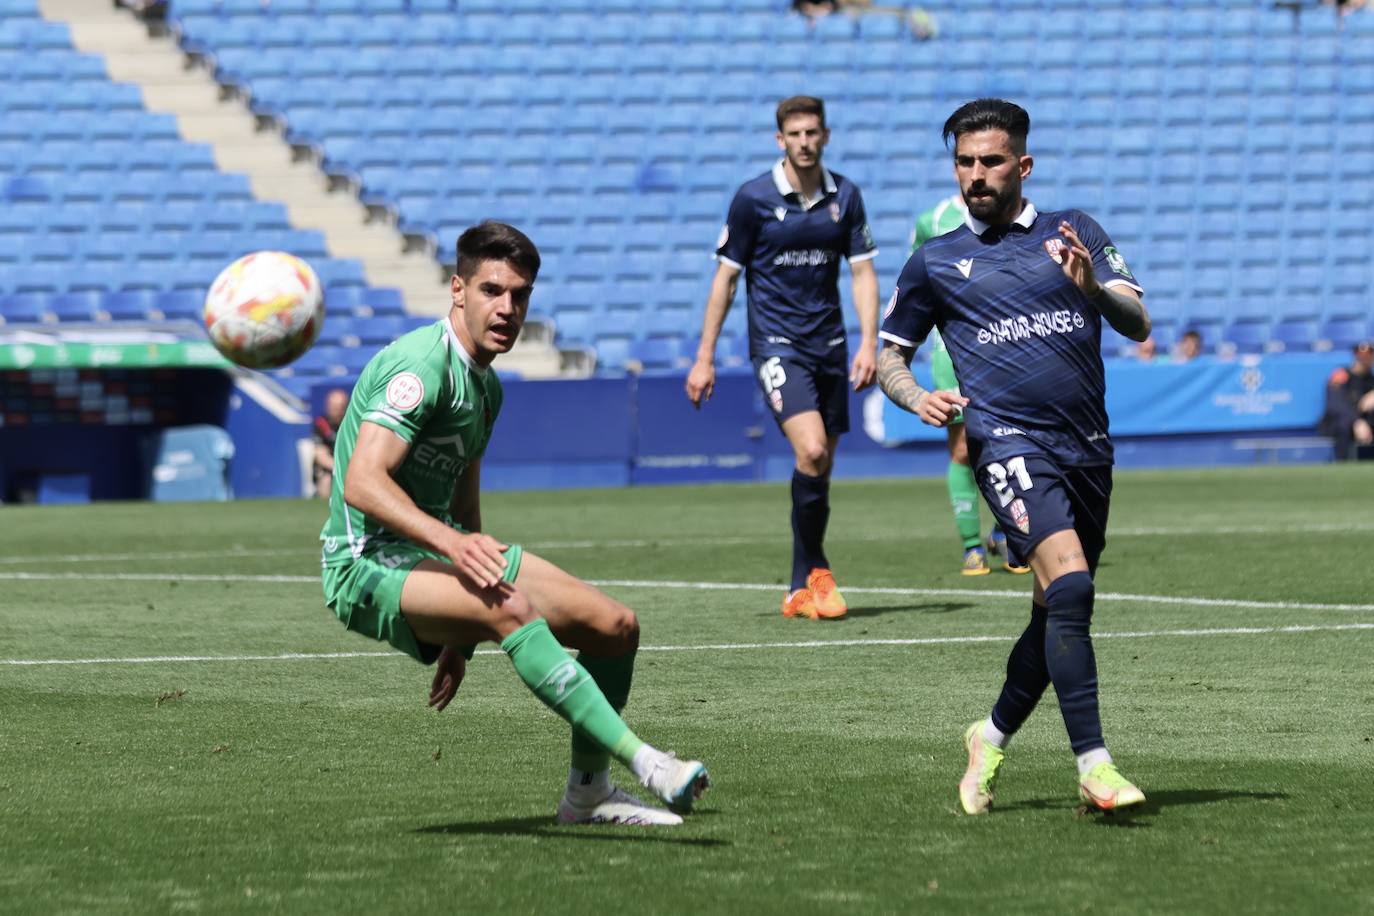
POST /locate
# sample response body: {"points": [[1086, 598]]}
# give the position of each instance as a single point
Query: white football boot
{"points": [[616, 807], [678, 782]]}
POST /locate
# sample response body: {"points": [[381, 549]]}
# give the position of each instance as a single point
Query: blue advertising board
{"points": [[1207, 395]]}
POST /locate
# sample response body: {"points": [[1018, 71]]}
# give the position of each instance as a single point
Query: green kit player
{"points": [[405, 562], [944, 217]]}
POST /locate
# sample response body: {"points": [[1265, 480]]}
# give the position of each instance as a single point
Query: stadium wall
{"points": [[634, 430]]}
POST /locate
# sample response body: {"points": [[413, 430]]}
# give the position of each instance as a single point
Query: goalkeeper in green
{"points": [[405, 560], [944, 217]]}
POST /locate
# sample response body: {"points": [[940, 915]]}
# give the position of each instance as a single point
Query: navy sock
{"points": [[810, 512], [1070, 660], [1027, 676]]}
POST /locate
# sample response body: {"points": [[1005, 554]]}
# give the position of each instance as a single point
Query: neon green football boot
{"points": [[1106, 789], [984, 760]]}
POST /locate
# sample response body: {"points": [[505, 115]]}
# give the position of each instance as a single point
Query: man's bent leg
{"points": [[607, 633], [444, 609]]}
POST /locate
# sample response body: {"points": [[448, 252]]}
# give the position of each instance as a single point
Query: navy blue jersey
{"points": [[790, 250], [1025, 342]]}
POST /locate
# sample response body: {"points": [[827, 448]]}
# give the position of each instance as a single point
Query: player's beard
{"points": [[990, 208]]}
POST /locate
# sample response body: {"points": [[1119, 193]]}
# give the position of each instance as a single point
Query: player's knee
{"points": [[622, 629], [814, 458], [512, 613], [1071, 596]]}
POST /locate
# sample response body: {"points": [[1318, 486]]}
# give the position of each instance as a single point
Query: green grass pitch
{"points": [[201, 768]]}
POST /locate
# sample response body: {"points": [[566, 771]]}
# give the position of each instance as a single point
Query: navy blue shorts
{"points": [[791, 387], [1032, 497]]}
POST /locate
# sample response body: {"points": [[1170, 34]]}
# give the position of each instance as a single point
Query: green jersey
{"points": [[426, 389], [946, 216]]}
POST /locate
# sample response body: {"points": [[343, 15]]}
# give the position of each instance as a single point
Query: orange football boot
{"points": [[830, 603], [800, 603]]}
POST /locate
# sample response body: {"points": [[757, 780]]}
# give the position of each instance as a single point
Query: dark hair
{"points": [[1193, 332], [989, 114], [493, 241], [801, 105]]}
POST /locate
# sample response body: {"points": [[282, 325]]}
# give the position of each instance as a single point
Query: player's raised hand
{"points": [[448, 674], [864, 370], [481, 558], [701, 381], [937, 408], [1078, 263]]}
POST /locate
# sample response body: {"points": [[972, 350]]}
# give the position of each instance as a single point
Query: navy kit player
{"points": [[787, 230], [1019, 297]]}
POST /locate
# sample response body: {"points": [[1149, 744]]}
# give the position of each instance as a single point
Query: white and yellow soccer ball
{"points": [[265, 309]]}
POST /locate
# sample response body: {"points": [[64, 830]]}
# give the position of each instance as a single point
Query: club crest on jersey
{"points": [[775, 400], [1020, 516], [1055, 248], [1117, 263], [834, 212], [780, 213], [405, 391], [965, 266]]}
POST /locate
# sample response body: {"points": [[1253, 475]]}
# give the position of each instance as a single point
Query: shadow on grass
{"points": [[544, 826], [1155, 802], [931, 607]]}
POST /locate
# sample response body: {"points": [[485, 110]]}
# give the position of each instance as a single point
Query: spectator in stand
{"points": [[1189, 347], [326, 429], [1147, 351], [922, 24], [1349, 417]]}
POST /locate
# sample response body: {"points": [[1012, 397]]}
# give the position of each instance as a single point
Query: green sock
{"points": [[613, 676], [565, 687], [963, 496]]}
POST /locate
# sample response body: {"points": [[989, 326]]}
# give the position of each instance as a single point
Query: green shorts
{"points": [[366, 593], [942, 373]]}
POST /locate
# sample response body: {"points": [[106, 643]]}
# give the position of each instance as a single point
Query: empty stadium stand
{"points": [[1223, 144]]}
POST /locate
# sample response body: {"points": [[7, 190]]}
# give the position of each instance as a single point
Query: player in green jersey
{"points": [[947, 216], [405, 560]]}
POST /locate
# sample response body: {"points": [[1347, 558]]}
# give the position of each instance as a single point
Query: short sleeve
{"points": [[910, 313], [861, 245], [1108, 262], [400, 396], [736, 243]]}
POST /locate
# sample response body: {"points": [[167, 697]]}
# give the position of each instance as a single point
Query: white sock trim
{"points": [[586, 786], [994, 735], [1089, 759]]}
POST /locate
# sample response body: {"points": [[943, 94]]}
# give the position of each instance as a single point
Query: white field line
{"points": [[627, 543], [714, 647], [973, 593]]}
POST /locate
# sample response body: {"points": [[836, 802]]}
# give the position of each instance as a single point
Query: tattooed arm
{"points": [[935, 408]]}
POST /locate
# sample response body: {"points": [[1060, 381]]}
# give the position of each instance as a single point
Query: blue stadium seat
{"points": [[661, 355], [181, 305], [1295, 335], [611, 353], [128, 305], [1251, 336], [24, 307], [75, 307]]}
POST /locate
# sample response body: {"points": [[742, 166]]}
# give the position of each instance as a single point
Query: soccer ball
{"points": [[265, 309]]}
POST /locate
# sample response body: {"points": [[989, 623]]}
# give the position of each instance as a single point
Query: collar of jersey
{"points": [[1027, 217], [785, 189], [456, 346]]}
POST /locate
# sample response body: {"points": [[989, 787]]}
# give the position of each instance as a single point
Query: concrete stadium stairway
{"points": [[171, 83]]}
